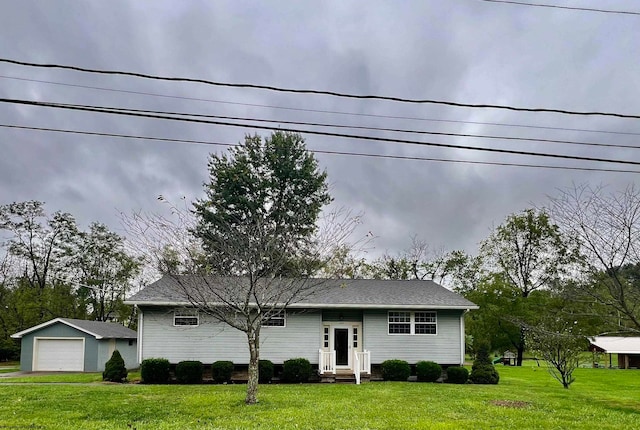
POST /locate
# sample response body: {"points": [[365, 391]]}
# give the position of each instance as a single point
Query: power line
{"points": [[393, 130], [333, 112], [586, 9], [314, 132], [318, 151], [317, 92]]}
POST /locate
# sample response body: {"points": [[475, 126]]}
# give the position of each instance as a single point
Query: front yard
{"points": [[525, 398]]}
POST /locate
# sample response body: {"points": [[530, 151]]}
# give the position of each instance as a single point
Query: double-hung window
{"points": [[413, 322], [186, 317], [276, 320]]}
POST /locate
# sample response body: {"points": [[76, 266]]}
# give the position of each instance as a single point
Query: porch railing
{"points": [[327, 362], [362, 362]]}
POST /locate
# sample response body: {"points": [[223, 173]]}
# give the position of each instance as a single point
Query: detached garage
{"points": [[72, 345]]}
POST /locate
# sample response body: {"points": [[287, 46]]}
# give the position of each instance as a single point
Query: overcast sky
{"points": [[465, 51]]}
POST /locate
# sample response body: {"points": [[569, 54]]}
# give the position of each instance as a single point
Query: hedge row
{"points": [[157, 371], [426, 371]]}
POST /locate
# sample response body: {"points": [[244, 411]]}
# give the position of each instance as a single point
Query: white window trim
{"points": [[280, 316], [186, 314], [412, 324]]}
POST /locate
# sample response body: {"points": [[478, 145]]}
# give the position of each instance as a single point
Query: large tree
{"points": [[607, 227], [257, 224], [529, 253], [103, 271]]}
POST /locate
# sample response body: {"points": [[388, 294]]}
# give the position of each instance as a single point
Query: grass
{"points": [[526, 398]]}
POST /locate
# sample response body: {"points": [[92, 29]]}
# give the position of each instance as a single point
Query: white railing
{"points": [[361, 364], [327, 362]]}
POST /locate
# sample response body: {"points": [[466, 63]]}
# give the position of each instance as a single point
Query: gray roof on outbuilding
{"points": [[97, 329], [331, 293]]}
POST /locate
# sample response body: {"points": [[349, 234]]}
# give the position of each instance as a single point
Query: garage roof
{"points": [[97, 329]]}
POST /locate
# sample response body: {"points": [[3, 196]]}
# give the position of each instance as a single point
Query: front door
{"points": [[344, 339], [341, 345]]}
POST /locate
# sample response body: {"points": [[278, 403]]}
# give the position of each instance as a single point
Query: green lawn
{"points": [[526, 398]]}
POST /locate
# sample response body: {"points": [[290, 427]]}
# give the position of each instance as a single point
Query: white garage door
{"points": [[59, 355]]}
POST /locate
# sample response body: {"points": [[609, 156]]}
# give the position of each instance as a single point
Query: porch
{"points": [[359, 371]]}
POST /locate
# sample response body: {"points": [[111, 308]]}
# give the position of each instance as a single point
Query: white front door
{"points": [[344, 338]]}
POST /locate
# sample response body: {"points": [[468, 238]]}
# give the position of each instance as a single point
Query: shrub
{"points": [[395, 370], [296, 370], [483, 371], [221, 371], [114, 369], [428, 371], [155, 371], [265, 369], [189, 372], [457, 375]]}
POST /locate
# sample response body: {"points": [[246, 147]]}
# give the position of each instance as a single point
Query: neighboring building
{"points": [[65, 344], [627, 349], [347, 322]]}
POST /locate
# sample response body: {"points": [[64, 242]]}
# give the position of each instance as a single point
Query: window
{"points": [[425, 322], [326, 337], [419, 322], [186, 317], [276, 320], [399, 322]]}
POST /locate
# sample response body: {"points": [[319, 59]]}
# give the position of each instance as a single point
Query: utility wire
{"points": [[318, 92], [317, 151], [320, 133], [586, 9], [332, 112], [358, 127]]}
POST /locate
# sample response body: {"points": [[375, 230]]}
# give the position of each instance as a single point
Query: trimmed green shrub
{"points": [[483, 370], [457, 375], [155, 371], [114, 369], [296, 370], [265, 369], [189, 372], [221, 371], [395, 370], [428, 371]]}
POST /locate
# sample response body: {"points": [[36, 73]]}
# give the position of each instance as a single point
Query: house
{"points": [[347, 327], [627, 348], [65, 344]]}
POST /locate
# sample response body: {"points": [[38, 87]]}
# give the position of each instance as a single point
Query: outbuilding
{"points": [[73, 345], [627, 349]]}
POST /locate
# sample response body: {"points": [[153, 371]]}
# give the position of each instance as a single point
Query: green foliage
{"points": [[428, 371], [265, 371], [221, 371], [395, 370], [296, 370], [457, 375], [114, 369], [155, 371], [266, 195], [189, 372], [483, 371], [9, 350]]}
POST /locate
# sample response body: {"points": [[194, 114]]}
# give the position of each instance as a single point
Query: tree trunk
{"points": [[253, 338], [520, 347]]}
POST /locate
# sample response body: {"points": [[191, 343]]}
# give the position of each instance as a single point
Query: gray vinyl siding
{"points": [[212, 341], [128, 352], [443, 347], [342, 315]]}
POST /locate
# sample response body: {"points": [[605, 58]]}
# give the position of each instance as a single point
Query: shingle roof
{"points": [[98, 329], [332, 293]]}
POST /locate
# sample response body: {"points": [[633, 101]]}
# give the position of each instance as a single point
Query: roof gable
{"points": [[332, 293], [97, 329]]}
